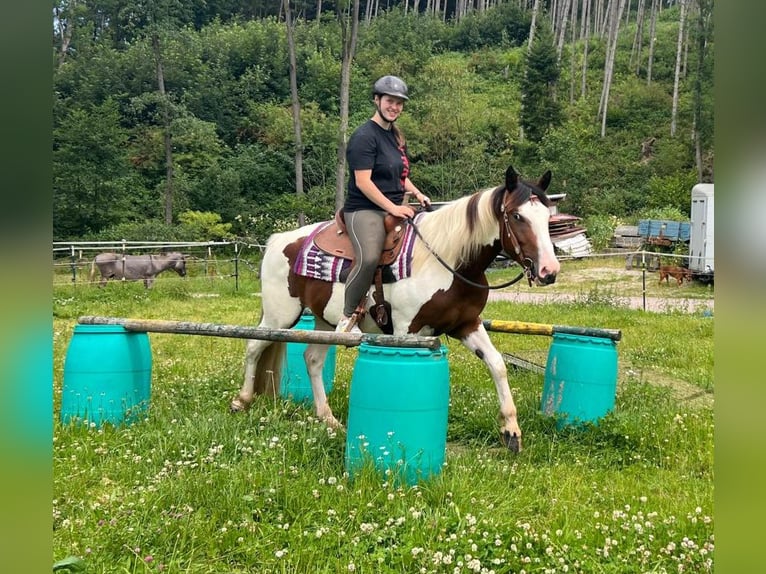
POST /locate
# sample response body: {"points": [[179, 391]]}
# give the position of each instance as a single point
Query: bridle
{"points": [[526, 263], [505, 231]]}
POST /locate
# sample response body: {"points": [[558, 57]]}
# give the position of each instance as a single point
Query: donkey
{"points": [[135, 267]]}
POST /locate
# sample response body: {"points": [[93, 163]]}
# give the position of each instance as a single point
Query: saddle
{"points": [[334, 240]]}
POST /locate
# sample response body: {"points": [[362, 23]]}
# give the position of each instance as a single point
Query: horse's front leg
{"points": [[315, 356], [244, 399], [479, 343]]}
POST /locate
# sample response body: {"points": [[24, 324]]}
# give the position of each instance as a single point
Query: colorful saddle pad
{"points": [[317, 264]]}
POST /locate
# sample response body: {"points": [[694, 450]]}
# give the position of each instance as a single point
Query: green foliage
{"points": [[281, 213], [70, 564], [672, 192], [637, 108], [600, 230], [228, 100], [146, 230], [540, 109], [667, 212], [92, 178], [204, 226], [504, 25], [397, 44]]}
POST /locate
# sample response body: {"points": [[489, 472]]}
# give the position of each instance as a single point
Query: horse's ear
{"points": [[511, 178], [545, 181]]}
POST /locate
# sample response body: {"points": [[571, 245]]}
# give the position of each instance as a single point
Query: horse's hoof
{"points": [[512, 442], [238, 406]]}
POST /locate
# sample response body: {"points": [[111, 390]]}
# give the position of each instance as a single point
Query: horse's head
{"points": [[524, 234], [178, 263]]}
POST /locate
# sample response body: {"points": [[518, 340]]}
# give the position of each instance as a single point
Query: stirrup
{"points": [[348, 325]]}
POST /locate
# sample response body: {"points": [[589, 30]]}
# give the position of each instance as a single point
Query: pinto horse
{"points": [[444, 292]]}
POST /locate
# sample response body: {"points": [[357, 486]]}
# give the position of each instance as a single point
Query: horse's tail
{"points": [[269, 373]]}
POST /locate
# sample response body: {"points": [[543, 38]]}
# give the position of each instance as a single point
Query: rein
{"points": [[446, 265]]}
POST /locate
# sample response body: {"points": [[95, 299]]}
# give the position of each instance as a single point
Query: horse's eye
{"points": [[517, 216]]}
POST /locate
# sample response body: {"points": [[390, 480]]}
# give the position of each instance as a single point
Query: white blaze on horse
{"points": [[136, 267], [440, 286]]}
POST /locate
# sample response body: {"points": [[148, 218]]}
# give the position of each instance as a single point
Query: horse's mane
{"points": [[458, 229]]}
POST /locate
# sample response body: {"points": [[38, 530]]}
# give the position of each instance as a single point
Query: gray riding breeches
{"points": [[367, 232]]}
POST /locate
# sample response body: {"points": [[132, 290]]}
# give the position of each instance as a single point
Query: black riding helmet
{"points": [[390, 86]]}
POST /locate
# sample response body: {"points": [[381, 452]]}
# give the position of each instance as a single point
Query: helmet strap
{"points": [[379, 110]]}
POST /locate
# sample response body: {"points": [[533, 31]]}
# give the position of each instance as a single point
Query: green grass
{"points": [[190, 488]]}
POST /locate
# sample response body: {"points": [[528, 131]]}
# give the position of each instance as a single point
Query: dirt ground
{"points": [[653, 304], [625, 287], [631, 288]]}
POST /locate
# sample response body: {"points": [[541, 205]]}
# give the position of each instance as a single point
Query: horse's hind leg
{"points": [[479, 343], [315, 356], [244, 399]]}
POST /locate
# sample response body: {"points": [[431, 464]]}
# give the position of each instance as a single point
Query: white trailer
{"points": [[701, 238]]}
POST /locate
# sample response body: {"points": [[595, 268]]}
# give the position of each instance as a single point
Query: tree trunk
{"points": [[349, 28], [532, 26], [652, 32], [598, 18], [703, 19], [614, 28], [679, 54], [535, 9], [586, 40], [635, 50], [562, 28], [572, 58], [64, 26], [298, 150], [169, 179]]}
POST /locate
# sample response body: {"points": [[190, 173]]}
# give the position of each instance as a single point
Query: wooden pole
{"points": [[279, 335], [522, 328]]}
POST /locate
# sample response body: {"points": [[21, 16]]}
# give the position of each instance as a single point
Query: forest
{"points": [[220, 119]]}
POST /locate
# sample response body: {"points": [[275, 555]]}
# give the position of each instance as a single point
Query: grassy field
{"points": [[191, 488]]}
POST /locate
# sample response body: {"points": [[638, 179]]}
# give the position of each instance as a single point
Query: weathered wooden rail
{"points": [[279, 335]]}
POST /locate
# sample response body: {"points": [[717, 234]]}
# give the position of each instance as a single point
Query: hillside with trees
{"points": [[235, 113]]}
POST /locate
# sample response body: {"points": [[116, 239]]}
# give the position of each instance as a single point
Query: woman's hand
{"points": [[422, 199], [403, 211]]}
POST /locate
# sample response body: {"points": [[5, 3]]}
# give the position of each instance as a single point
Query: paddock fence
{"points": [[206, 261], [625, 276]]}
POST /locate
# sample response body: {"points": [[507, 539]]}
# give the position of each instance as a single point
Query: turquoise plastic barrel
{"points": [[295, 383], [580, 379], [107, 375], [397, 412]]}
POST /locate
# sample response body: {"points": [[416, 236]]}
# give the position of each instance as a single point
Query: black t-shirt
{"points": [[372, 147]]}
